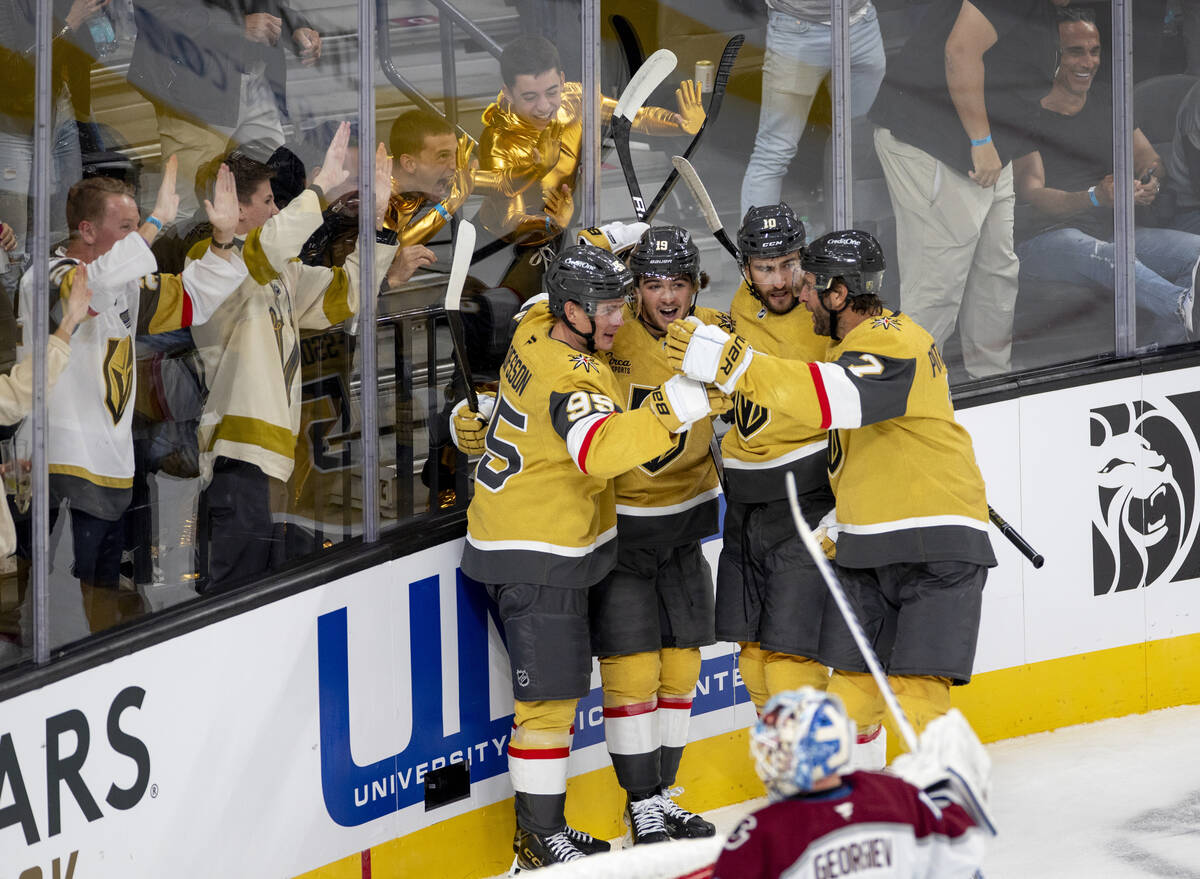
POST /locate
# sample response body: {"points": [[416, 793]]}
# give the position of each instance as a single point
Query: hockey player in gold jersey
{"points": [[651, 615], [770, 596], [541, 528], [913, 549]]}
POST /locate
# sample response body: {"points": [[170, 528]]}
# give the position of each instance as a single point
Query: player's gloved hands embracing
{"points": [[468, 429], [679, 401], [707, 353]]}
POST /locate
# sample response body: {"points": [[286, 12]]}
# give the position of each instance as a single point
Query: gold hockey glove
{"points": [[707, 353], [468, 429]]}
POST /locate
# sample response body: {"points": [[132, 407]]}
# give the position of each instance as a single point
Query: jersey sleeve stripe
{"points": [[185, 317], [579, 438], [822, 396], [841, 405]]}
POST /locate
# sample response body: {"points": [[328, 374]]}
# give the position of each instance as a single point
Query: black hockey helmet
{"points": [[769, 231], [851, 255], [665, 252], [586, 275]]}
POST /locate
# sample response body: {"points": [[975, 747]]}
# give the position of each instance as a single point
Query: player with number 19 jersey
{"points": [[544, 509], [671, 499]]}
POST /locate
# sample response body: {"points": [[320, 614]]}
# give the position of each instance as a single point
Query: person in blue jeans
{"points": [[1068, 182], [798, 58]]}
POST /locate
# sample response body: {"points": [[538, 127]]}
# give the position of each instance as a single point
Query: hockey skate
{"points": [[645, 820], [534, 850], [680, 823], [585, 842]]}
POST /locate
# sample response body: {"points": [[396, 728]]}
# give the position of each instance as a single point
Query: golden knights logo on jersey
{"points": [[1146, 463], [748, 416], [118, 376]]}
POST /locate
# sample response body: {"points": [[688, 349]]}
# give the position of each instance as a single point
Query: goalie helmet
{"points": [[851, 255], [586, 275], [769, 231], [666, 252], [802, 737]]}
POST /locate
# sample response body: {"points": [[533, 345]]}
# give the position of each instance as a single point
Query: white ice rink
{"points": [[1116, 799]]}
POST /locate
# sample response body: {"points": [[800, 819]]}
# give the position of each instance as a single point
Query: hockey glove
{"points": [[826, 532], [679, 401], [950, 765], [616, 236], [707, 353], [468, 429]]}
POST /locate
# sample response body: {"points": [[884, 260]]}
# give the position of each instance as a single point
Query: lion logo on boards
{"points": [[582, 361], [1146, 461], [118, 376]]}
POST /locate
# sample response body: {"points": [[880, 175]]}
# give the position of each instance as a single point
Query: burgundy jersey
{"points": [[874, 826]]}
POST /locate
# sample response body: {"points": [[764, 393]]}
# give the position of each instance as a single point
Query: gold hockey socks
{"points": [[785, 671], [537, 762], [752, 666], [680, 671], [630, 719]]}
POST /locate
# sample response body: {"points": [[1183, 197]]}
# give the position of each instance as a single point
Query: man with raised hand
{"points": [[770, 596], [913, 550], [559, 430], [251, 352], [89, 436]]}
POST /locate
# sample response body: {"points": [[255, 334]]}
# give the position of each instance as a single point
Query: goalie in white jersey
{"points": [[89, 436]]}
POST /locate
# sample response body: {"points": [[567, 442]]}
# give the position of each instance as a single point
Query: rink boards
{"points": [[298, 738]]}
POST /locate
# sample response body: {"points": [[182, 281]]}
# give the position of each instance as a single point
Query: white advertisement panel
{"points": [[280, 740]]}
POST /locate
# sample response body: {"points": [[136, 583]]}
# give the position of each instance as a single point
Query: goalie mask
{"points": [[802, 737], [850, 256], [586, 275]]}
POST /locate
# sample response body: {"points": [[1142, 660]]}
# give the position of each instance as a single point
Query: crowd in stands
{"points": [[191, 363]]}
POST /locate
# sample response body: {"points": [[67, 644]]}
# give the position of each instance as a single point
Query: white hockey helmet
{"points": [[802, 737]]}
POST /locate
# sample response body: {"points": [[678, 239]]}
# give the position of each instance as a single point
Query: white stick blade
{"points": [[692, 180], [464, 249], [645, 79]]}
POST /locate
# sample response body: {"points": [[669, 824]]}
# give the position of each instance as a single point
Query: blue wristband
{"points": [[549, 228], [981, 141], [1092, 197], [155, 222], [441, 210]]}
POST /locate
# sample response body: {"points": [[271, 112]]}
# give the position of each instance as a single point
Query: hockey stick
{"points": [[464, 246], [647, 78], [839, 596], [1022, 545], [724, 68], [711, 218]]}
